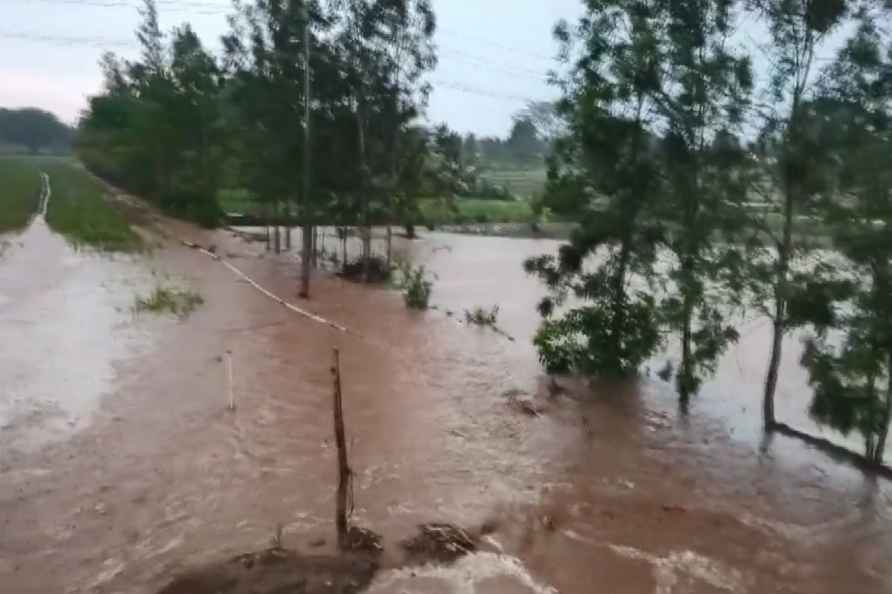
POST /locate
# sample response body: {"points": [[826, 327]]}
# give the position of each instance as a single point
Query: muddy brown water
{"points": [[608, 490]]}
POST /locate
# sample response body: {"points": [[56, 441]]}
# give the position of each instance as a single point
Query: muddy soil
{"points": [[277, 571], [607, 488]]}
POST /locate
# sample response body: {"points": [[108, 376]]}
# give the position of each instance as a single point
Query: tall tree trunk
{"points": [[366, 222], [288, 225], [887, 416], [269, 238], [305, 260], [685, 378], [389, 245], [686, 374], [870, 448], [619, 305], [278, 229], [780, 311], [306, 211]]}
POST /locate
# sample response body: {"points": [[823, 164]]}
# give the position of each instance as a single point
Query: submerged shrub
{"points": [[417, 288], [480, 316]]}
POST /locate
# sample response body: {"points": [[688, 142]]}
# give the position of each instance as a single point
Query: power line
{"points": [[495, 44], [66, 41], [470, 58], [206, 7], [100, 43], [473, 90], [136, 4]]}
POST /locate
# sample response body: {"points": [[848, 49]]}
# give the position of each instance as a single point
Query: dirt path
{"points": [[46, 194]]}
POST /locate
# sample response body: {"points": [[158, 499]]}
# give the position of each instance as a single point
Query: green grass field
{"points": [[236, 200], [19, 192], [436, 212], [79, 211], [523, 183]]}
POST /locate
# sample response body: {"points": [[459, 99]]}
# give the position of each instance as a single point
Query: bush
{"points": [[482, 317], [417, 288], [487, 190], [378, 270], [583, 340]]}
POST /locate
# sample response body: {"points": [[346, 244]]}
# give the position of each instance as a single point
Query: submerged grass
{"points": [[168, 300], [20, 186], [78, 210]]}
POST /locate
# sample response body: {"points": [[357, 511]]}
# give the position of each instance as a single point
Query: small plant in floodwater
{"points": [[168, 300], [417, 287], [480, 316], [276, 540]]}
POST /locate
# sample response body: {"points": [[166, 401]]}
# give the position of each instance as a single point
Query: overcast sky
{"points": [[494, 54]]}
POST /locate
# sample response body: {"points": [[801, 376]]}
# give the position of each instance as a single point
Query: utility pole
{"points": [[307, 228]]}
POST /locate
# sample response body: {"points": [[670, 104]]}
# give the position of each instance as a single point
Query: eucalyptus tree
{"points": [[355, 37], [605, 173], [850, 358], [265, 54], [409, 52], [160, 110], [794, 172], [702, 96]]}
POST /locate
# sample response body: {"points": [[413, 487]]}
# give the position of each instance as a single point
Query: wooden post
{"points": [[343, 468], [229, 376]]}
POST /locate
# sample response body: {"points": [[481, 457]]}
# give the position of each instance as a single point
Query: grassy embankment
{"points": [[79, 211], [522, 183], [19, 192], [434, 211]]}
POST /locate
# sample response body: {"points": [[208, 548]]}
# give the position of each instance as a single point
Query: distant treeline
{"points": [[34, 131]]}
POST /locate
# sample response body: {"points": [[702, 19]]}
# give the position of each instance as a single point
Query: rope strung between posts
{"points": [[274, 297]]}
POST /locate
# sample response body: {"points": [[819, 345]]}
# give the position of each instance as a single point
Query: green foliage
{"points": [[20, 188], [156, 129], [793, 161], [702, 96], [600, 339], [35, 130], [417, 287], [604, 173], [849, 358], [174, 301], [79, 210], [524, 142]]}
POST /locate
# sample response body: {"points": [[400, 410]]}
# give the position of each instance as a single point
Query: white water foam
{"points": [[462, 577]]}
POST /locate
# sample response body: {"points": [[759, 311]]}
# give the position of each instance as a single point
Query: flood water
{"points": [[64, 318], [609, 489]]}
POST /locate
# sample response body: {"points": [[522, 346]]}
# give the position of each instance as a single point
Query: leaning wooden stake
{"points": [[343, 468], [229, 376]]}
